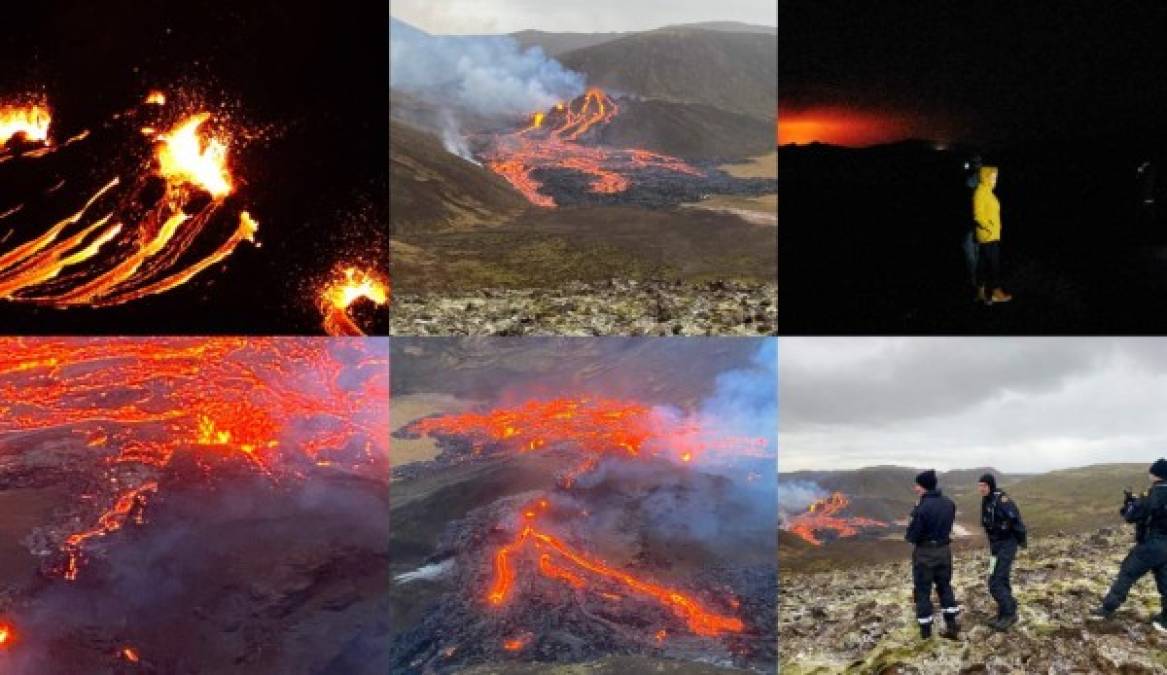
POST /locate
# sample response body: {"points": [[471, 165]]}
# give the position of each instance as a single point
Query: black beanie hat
{"points": [[988, 479], [1159, 468], [927, 480]]}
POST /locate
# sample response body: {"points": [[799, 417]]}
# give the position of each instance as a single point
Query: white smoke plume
{"points": [[795, 496], [490, 75], [452, 138]]}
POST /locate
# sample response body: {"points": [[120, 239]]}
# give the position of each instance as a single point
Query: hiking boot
{"points": [[1160, 623], [1004, 622], [1100, 614], [1000, 296], [982, 296], [926, 630], [951, 630]]}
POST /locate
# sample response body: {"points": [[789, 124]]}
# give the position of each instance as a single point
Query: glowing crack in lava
{"points": [[824, 516], [551, 141], [346, 288], [6, 635], [123, 243], [276, 408], [596, 427], [30, 121]]}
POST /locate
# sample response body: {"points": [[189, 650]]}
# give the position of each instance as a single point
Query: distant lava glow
{"points": [[826, 516], [839, 126], [275, 407]]}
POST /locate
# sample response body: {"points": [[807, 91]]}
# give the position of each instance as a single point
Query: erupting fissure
{"points": [[597, 427], [138, 245], [275, 407], [551, 141], [824, 515]]}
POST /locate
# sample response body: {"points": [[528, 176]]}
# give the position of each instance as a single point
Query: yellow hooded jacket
{"points": [[986, 208]]}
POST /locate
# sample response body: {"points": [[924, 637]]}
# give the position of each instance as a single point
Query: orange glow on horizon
{"points": [[840, 126]]}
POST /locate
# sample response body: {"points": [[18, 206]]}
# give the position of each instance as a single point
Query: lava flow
{"points": [[597, 426], [824, 516], [338, 296], [277, 408], [628, 430], [124, 243], [700, 620], [552, 141]]}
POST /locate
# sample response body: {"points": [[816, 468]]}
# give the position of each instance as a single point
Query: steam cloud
{"points": [[795, 496], [489, 75]]}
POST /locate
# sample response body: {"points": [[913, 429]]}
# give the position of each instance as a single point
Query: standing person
{"points": [[987, 214], [1006, 532], [1149, 514], [930, 531], [969, 241]]}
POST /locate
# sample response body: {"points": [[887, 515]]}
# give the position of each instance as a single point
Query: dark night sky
{"points": [[975, 69]]}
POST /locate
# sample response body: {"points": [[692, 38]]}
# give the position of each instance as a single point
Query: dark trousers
{"points": [[989, 265], [1000, 587], [971, 250], [932, 567], [1149, 556]]}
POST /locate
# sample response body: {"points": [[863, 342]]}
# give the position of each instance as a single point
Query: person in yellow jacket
{"points": [[987, 214]]}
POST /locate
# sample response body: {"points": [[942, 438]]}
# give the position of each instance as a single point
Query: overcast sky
{"points": [[588, 16], [1017, 404]]}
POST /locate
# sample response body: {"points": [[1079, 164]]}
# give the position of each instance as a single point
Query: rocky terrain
{"points": [[615, 307], [859, 619]]}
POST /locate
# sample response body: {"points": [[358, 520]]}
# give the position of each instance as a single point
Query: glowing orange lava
{"points": [[130, 654], [551, 141], [186, 155], [838, 126], [699, 619], [824, 516], [120, 246], [30, 121], [275, 406], [6, 635], [351, 285]]}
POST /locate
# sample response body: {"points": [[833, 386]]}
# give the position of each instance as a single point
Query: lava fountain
{"points": [[351, 285]]}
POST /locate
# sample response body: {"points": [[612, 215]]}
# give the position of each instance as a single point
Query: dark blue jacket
{"points": [[1002, 519], [932, 519]]}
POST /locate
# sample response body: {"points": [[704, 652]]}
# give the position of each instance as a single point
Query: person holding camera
{"points": [[1148, 512], [1006, 532]]}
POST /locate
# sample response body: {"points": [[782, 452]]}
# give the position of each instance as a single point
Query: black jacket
{"points": [[932, 520], [1002, 519], [1149, 511]]}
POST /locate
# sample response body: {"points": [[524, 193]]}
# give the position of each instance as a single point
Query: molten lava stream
{"points": [[106, 259], [551, 141], [699, 620], [824, 516], [30, 121]]}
